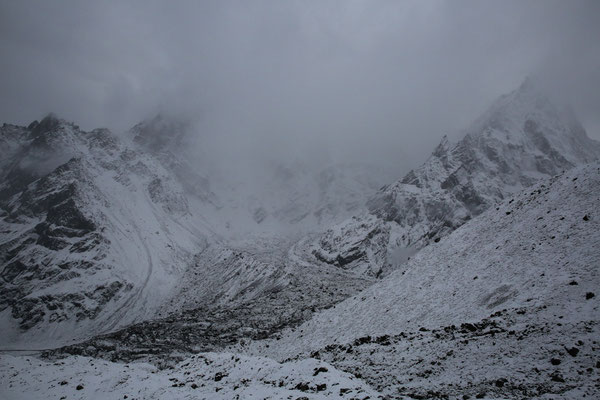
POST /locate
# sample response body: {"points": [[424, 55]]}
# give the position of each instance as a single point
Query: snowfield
{"points": [[224, 376]]}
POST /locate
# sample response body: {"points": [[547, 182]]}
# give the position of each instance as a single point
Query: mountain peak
{"points": [[530, 89], [443, 147], [521, 138], [160, 132], [527, 85], [529, 93], [49, 123]]}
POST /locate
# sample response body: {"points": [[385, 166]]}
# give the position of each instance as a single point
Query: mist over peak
{"points": [[321, 81], [162, 133]]}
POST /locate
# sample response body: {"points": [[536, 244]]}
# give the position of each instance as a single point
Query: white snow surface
{"points": [[224, 376]]}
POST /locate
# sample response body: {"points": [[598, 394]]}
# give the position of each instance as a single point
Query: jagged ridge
{"points": [[522, 138]]}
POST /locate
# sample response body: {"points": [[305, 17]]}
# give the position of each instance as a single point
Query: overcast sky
{"points": [[383, 78]]}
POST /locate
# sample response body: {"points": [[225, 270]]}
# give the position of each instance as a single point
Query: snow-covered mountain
{"points": [[506, 305], [520, 139], [139, 248], [95, 234], [99, 231]]}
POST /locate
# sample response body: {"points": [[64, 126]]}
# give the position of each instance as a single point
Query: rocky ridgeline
{"points": [[45, 187], [521, 139], [64, 222]]}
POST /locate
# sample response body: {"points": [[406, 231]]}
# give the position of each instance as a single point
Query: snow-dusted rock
{"points": [[99, 233], [95, 235], [522, 138], [497, 299]]}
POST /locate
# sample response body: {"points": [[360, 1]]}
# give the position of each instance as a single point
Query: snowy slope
{"points": [[204, 376], [507, 296], [522, 138], [228, 297], [95, 235]]}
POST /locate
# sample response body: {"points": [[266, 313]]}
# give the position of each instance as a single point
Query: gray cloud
{"points": [[382, 79]]}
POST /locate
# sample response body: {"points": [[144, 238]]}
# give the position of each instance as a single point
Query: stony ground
{"points": [[223, 376], [308, 286], [514, 359]]}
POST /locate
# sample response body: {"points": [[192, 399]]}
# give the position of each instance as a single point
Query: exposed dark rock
{"points": [[573, 351], [219, 376], [259, 215], [302, 386], [49, 123]]}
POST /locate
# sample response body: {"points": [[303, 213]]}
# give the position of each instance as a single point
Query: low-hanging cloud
{"points": [[383, 80]]}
